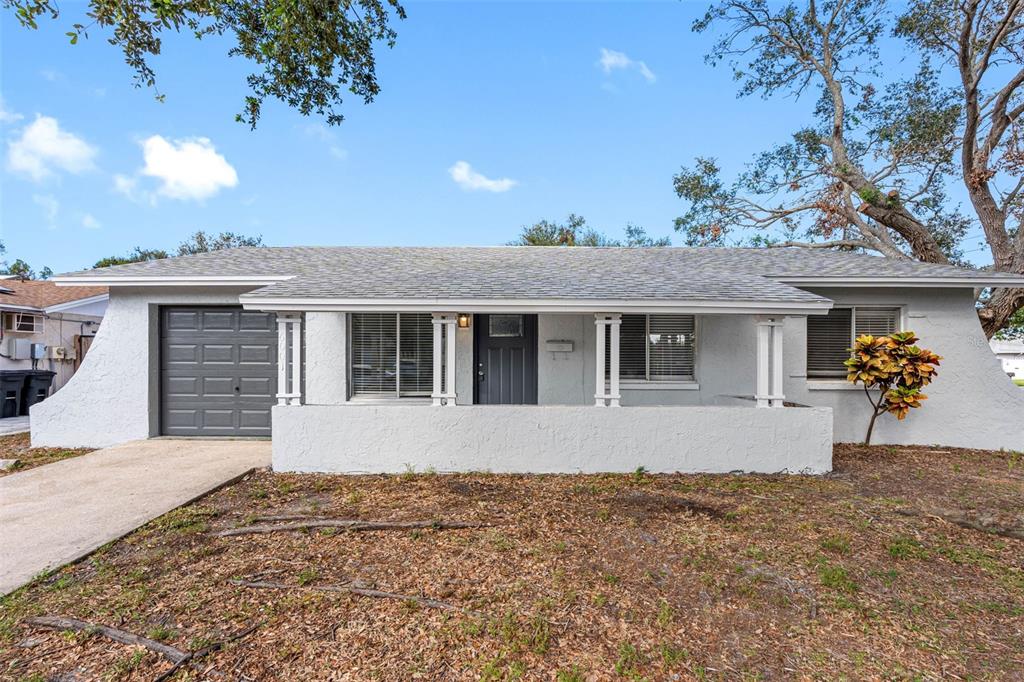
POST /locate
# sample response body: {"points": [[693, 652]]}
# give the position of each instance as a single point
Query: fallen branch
{"points": [[356, 589], [348, 524], [172, 654], [193, 656], [962, 520], [788, 584]]}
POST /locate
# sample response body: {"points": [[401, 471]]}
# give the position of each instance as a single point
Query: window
{"points": [[23, 322], [392, 354], [830, 337], [654, 348]]}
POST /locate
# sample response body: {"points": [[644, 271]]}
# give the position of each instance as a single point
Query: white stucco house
{"points": [[526, 359], [60, 322]]}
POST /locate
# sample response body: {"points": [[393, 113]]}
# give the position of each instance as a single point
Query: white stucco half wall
{"points": [[550, 439], [113, 398]]}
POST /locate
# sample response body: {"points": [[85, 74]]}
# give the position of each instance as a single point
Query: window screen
{"points": [[830, 337], [392, 354], [654, 348]]}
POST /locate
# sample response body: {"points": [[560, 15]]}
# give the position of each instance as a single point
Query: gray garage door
{"points": [[218, 371]]}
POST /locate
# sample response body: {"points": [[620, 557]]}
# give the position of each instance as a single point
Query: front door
{"points": [[505, 359]]}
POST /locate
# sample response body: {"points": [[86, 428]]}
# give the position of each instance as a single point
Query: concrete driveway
{"points": [[55, 514]]}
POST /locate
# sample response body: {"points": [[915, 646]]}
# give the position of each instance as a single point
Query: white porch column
{"points": [[449, 374], [443, 392], [289, 365], [614, 323], [607, 389], [769, 363], [777, 398], [437, 392], [282, 360], [599, 385]]}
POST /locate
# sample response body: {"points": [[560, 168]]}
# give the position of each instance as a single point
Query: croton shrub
{"points": [[893, 370]]}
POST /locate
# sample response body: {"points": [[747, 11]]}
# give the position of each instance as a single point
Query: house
{"points": [[60, 322], [532, 359], [1011, 355]]}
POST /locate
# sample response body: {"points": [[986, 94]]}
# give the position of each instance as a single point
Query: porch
{"points": [[578, 392]]}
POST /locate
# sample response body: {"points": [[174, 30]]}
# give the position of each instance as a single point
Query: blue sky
{"points": [[515, 90]]}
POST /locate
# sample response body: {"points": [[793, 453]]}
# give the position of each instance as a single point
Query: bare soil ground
{"points": [[16, 446], [892, 567]]}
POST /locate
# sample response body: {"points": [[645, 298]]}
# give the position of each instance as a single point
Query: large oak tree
{"points": [[873, 167], [305, 53]]}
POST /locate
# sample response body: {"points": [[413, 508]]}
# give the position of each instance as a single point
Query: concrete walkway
{"points": [[11, 425], [55, 514]]}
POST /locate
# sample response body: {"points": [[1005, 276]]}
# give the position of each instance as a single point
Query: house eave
{"points": [[68, 306], [913, 282], [476, 305], [160, 281]]}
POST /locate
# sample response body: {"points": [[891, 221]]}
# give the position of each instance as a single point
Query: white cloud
{"points": [[187, 169], [6, 115], [50, 206], [611, 61], [467, 178], [43, 147], [125, 185], [327, 136], [89, 222]]}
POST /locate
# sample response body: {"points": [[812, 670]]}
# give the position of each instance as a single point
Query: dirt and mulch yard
{"points": [[17, 446], [906, 563]]}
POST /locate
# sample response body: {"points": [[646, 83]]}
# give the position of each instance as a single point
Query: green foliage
{"points": [[138, 255], [575, 232], [305, 53], [199, 242], [896, 368], [22, 270]]}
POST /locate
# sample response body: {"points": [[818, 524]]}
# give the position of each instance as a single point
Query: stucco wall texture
{"points": [[113, 397], [550, 439]]}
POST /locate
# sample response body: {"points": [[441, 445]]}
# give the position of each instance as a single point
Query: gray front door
{"points": [[218, 371], [505, 359]]}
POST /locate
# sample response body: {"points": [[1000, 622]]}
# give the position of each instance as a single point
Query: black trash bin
{"points": [[37, 387], [12, 385]]}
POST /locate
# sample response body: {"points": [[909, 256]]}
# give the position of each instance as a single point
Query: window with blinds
{"points": [[392, 354], [830, 337], [654, 348]]}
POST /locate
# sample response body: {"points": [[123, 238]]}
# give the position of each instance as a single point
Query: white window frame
{"points": [[397, 394], [669, 382], [852, 307], [12, 319]]}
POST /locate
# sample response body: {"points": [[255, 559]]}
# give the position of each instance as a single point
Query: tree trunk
{"points": [[871, 427], [999, 309]]}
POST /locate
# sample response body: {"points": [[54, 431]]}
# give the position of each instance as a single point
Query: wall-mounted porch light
{"points": [[464, 320]]}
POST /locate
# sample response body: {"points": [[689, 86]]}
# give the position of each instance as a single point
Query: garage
{"points": [[218, 371]]}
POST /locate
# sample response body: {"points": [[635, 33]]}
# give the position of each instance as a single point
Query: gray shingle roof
{"points": [[702, 274]]}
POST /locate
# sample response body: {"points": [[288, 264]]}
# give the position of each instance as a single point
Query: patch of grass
{"points": [[628, 661], [307, 575], [836, 577], [640, 474], [192, 519], [840, 544], [161, 633], [604, 514], [906, 548], [355, 497], [672, 654], [573, 674], [533, 634], [610, 578], [665, 614]]}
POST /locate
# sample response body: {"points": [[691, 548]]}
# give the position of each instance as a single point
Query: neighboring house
{"points": [[519, 358], [1011, 355], [60, 322]]}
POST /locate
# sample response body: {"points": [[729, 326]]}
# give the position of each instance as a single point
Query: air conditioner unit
{"points": [[17, 349]]}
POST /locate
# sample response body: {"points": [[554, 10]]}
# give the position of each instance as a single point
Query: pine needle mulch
{"points": [[17, 446], [875, 571]]}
